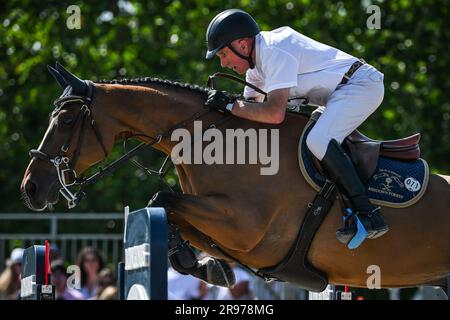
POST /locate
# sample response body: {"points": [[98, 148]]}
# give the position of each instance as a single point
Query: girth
{"points": [[295, 267]]}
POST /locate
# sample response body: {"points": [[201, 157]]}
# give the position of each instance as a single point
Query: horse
{"points": [[253, 218]]}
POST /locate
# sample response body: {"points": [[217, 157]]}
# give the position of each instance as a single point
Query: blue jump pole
{"points": [[143, 275]]}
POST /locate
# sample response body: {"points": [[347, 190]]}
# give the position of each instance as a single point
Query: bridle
{"points": [[65, 165]]}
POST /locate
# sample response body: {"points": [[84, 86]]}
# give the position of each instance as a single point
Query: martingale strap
{"points": [[295, 267]]}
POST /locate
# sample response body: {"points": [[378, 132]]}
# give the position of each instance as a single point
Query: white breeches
{"points": [[347, 108]]}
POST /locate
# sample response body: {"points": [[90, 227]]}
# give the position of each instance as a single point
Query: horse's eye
{"points": [[67, 120]]}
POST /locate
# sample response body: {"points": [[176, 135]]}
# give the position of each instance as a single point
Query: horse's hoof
{"points": [[218, 272]]}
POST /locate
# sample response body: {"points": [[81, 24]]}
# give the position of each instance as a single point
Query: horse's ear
{"points": [[57, 76], [78, 85]]}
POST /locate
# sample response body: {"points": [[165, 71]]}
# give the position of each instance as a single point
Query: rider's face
{"points": [[228, 59]]}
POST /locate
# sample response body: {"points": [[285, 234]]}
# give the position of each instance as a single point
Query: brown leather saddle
{"points": [[365, 152]]}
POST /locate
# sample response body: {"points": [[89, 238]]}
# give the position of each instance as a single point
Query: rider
{"points": [[285, 64]]}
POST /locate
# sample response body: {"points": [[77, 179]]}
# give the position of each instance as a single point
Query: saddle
{"points": [[365, 152]]}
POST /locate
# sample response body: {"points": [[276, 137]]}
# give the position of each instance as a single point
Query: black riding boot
{"points": [[341, 171], [183, 259]]}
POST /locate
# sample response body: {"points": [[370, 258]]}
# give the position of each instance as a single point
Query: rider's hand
{"points": [[218, 100]]}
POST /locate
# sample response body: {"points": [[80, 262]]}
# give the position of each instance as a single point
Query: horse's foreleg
{"points": [[211, 216], [181, 255], [196, 238]]}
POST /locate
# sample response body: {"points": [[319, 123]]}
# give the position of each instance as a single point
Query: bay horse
{"points": [[253, 218]]}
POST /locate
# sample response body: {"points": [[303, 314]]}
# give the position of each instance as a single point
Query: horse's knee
{"points": [[317, 143]]}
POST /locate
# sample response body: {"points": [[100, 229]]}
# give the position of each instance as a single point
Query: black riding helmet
{"points": [[227, 26]]}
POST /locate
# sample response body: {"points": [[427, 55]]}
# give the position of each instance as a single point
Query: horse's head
{"points": [[71, 144]]}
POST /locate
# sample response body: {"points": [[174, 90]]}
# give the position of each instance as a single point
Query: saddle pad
{"points": [[395, 184]]}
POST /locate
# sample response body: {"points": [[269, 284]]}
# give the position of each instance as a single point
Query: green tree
{"points": [[166, 39]]}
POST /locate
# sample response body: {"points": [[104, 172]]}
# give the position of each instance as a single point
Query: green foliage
{"points": [[166, 39]]}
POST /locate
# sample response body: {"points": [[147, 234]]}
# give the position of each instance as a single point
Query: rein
{"points": [[212, 84]]}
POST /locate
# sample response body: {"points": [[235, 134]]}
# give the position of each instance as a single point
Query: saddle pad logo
{"points": [[388, 180], [412, 184]]}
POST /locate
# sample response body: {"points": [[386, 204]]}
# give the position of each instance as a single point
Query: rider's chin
{"points": [[238, 71]]}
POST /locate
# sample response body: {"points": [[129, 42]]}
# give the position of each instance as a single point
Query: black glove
{"points": [[218, 100]]}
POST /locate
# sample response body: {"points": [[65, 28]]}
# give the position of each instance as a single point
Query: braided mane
{"points": [[150, 80]]}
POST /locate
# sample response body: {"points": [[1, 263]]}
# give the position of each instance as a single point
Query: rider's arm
{"points": [[271, 111]]}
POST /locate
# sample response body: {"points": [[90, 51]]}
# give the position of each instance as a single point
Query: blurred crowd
{"points": [[187, 287], [98, 282]]}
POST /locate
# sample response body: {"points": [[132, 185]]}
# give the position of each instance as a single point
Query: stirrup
{"points": [[360, 236], [361, 233]]}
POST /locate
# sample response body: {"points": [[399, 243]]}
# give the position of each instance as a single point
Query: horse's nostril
{"points": [[30, 188]]}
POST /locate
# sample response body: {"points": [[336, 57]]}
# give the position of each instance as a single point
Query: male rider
{"points": [[285, 64]]}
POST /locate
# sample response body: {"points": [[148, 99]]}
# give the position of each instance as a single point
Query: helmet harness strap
{"points": [[249, 57]]}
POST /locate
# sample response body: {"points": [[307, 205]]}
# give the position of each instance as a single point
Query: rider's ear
{"points": [[243, 44], [57, 76]]}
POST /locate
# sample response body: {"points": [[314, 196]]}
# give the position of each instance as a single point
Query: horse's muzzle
{"points": [[36, 197]]}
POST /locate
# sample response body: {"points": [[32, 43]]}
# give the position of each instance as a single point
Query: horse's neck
{"points": [[147, 109], [155, 110]]}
